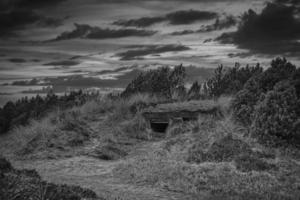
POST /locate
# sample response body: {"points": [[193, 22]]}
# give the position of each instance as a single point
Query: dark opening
{"points": [[159, 127], [185, 119]]}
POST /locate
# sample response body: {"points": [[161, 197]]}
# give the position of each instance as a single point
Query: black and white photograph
{"points": [[149, 99]]}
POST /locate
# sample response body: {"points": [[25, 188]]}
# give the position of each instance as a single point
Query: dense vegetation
{"points": [[265, 100], [270, 101], [162, 82], [214, 157], [20, 112]]}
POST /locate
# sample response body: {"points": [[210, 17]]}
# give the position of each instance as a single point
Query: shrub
{"points": [[247, 162], [277, 114], [161, 81], [222, 150], [22, 111], [228, 81], [245, 100], [280, 70], [135, 128], [226, 149], [194, 92], [215, 84]]}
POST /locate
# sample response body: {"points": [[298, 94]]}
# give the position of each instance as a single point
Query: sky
{"points": [[67, 44]]}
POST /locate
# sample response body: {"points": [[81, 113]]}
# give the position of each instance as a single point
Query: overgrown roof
{"points": [[190, 106]]}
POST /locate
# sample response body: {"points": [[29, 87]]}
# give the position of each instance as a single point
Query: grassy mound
{"points": [[214, 160], [52, 136], [27, 185], [250, 162]]}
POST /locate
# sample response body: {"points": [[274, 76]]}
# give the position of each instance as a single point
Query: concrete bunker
{"points": [[161, 116]]}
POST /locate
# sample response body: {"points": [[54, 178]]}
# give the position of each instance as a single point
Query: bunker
{"points": [[161, 116]]}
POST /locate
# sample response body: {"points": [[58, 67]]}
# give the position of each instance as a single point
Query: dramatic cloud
{"points": [[17, 14], [36, 3], [8, 5], [190, 16], [276, 29], [141, 22], [175, 18], [219, 24], [17, 60], [16, 19], [90, 32], [291, 2], [150, 50], [19, 19], [65, 63]]}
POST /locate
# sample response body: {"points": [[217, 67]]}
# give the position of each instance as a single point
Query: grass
{"points": [[58, 132], [214, 159], [113, 122], [27, 184]]}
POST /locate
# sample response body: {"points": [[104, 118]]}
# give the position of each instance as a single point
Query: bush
{"points": [[246, 99], [22, 111], [194, 92], [135, 128], [244, 102], [249, 162], [222, 150], [228, 81], [161, 81], [277, 114]]}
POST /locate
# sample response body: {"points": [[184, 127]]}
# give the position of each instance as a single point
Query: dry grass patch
{"points": [[53, 135], [223, 163]]}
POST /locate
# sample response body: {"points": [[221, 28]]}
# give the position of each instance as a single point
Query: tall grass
{"points": [[58, 130], [166, 164]]}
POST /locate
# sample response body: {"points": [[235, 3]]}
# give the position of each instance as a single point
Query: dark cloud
{"points": [[8, 5], [275, 30], [291, 2], [90, 32], [17, 60], [49, 22], [17, 14], [150, 50], [36, 3], [62, 63], [175, 18], [141, 22], [189, 16], [219, 24], [18, 19]]}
